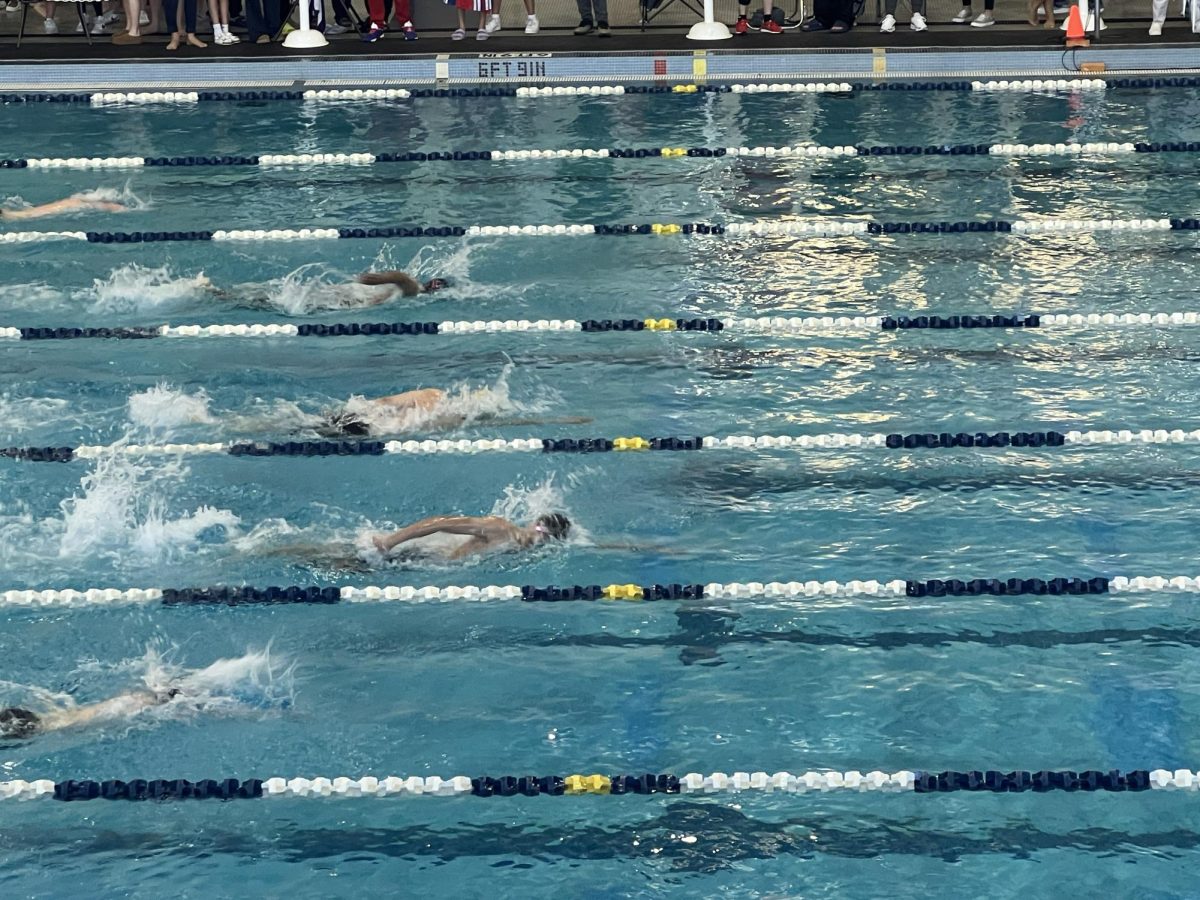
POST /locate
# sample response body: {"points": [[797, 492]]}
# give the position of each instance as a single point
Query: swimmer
{"points": [[347, 295], [18, 723], [74, 203], [484, 533], [421, 406], [400, 282]]}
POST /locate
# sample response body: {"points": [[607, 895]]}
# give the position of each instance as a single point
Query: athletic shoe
{"points": [[410, 33], [1156, 29], [983, 20], [493, 24], [372, 34], [918, 22], [334, 28], [602, 30], [963, 17], [770, 26], [888, 25], [13, 5], [50, 26], [742, 26], [585, 27], [531, 25]]}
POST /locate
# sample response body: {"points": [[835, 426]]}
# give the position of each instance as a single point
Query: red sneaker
{"points": [[771, 27], [742, 26]]}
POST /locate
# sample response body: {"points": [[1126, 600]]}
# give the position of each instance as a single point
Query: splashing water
{"points": [[123, 195], [122, 510], [162, 408], [458, 407], [137, 288], [20, 414], [257, 680]]}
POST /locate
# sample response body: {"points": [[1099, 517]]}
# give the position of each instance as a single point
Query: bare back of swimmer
{"points": [[406, 411], [73, 203]]}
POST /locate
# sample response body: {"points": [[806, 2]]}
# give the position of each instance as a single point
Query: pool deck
{"points": [[557, 56]]}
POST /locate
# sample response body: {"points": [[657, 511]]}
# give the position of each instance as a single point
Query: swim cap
{"points": [[18, 723]]}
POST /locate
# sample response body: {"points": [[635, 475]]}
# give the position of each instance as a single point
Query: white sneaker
{"points": [[964, 16], [222, 38], [918, 22], [888, 25], [1156, 29], [983, 20], [50, 26], [531, 25], [335, 28], [493, 24]]}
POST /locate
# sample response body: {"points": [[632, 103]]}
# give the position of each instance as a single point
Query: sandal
{"points": [[482, 34], [458, 34], [813, 25], [839, 27]]}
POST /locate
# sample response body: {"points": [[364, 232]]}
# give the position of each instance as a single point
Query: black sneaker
{"points": [[602, 30], [584, 27], [344, 21]]}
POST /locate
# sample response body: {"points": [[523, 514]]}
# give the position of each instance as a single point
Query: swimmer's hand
{"points": [[380, 543]]}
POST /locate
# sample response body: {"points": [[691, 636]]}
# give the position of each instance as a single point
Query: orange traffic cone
{"points": [[1076, 36]]}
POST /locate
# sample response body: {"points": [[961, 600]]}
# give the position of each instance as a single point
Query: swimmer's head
{"points": [[436, 284], [553, 525], [18, 723]]}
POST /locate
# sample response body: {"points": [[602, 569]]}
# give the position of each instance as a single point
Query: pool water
{"points": [[507, 688]]}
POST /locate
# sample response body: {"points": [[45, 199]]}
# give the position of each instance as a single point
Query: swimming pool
{"points": [[498, 688]]}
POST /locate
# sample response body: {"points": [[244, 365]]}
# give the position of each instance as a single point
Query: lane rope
{"points": [[772, 591], [794, 325], [877, 781], [816, 228], [274, 160], [1020, 85], [1021, 440]]}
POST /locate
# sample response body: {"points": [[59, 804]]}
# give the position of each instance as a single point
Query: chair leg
{"points": [[87, 32], [21, 30]]}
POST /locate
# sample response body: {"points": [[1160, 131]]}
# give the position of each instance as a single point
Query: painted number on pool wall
{"points": [[512, 69]]}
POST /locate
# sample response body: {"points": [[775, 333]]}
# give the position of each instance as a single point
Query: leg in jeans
{"points": [[585, 11], [601, 9]]}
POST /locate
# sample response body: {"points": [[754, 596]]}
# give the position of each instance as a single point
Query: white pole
{"points": [[712, 30], [304, 37]]}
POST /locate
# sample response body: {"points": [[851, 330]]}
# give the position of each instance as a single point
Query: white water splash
{"points": [[121, 511], [163, 408], [20, 414], [138, 288], [459, 406], [123, 195]]}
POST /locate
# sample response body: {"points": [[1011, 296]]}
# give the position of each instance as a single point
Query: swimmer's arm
{"points": [[474, 526], [408, 285], [67, 205]]}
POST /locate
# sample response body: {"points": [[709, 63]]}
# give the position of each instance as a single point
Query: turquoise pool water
{"points": [[475, 689]]}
